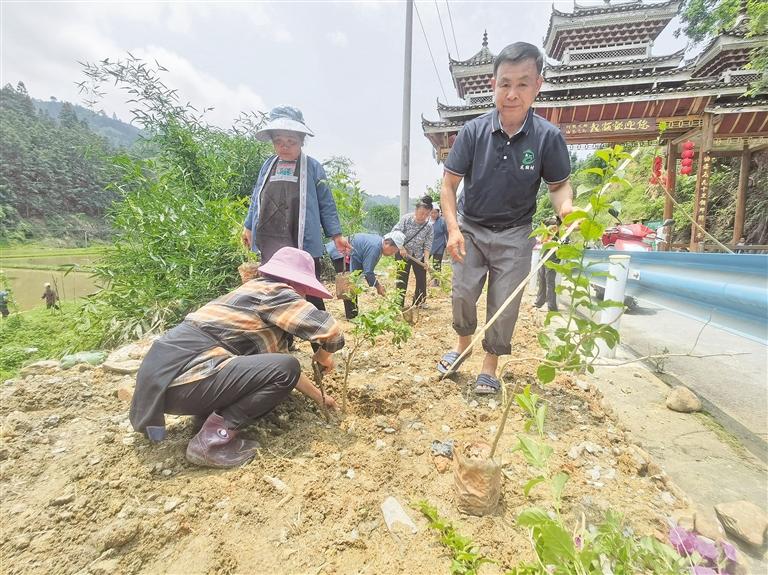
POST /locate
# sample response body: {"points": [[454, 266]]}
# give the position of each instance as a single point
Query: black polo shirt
{"points": [[502, 173]]}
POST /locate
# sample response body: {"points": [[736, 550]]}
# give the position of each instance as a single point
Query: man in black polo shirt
{"points": [[502, 156]]}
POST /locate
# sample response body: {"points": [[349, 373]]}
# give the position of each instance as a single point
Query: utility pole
{"points": [[406, 143]]}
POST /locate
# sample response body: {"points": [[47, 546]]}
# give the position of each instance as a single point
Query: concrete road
{"points": [[734, 388]]}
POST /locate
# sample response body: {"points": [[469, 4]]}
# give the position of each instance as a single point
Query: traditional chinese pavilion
{"points": [[604, 84]]}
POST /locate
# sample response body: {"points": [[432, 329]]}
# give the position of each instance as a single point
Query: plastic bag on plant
{"points": [[476, 479]]}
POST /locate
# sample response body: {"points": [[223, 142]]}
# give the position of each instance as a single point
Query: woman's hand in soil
{"points": [[325, 360], [380, 290]]}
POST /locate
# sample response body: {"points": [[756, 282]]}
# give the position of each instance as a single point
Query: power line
{"points": [[452, 30], [430, 51], [445, 41]]}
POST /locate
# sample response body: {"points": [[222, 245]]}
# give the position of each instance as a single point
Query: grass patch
{"points": [[43, 251], [38, 334]]}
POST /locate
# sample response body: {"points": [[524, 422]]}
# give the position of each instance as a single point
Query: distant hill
{"points": [[379, 200], [117, 132]]}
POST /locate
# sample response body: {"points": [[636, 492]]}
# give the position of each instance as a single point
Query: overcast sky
{"points": [[341, 63]]}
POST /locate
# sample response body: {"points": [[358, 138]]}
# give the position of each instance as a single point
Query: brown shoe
{"points": [[217, 446]]}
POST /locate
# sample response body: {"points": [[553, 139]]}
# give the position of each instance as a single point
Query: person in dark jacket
{"points": [[51, 297], [226, 363]]}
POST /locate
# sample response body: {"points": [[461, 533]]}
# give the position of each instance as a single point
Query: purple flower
{"points": [[699, 570], [729, 551], [706, 549], [683, 541], [578, 542]]}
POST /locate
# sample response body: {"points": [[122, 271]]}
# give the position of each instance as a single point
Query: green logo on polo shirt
{"points": [[528, 158]]}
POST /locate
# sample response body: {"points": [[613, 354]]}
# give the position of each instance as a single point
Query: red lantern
{"points": [[688, 154], [686, 162], [687, 145]]}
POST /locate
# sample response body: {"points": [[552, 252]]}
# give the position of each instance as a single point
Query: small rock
{"points": [[129, 439], [592, 448], [125, 390], [63, 500], [404, 452], [492, 404], [389, 430], [417, 425], [473, 404], [277, 483], [115, 536], [418, 379], [381, 422], [127, 367], [40, 367], [170, 505], [350, 473], [575, 451], [582, 385], [668, 498], [445, 428], [683, 400], [442, 463], [593, 474], [396, 517], [380, 444], [166, 472], [52, 420], [335, 456], [744, 521], [707, 525], [21, 541]]}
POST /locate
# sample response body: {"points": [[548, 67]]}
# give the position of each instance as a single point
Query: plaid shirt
{"points": [[253, 319]]}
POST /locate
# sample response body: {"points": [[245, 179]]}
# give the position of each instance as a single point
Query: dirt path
{"points": [[83, 494]]}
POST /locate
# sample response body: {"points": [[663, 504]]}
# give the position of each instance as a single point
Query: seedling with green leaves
{"points": [[465, 558], [385, 318]]}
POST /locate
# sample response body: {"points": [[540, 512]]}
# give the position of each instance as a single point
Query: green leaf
{"points": [[545, 373], [533, 517], [558, 484], [533, 483], [590, 230], [573, 216], [544, 340], [598, 171]]}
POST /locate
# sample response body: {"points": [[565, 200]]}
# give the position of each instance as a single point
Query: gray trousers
{"points": [[505, 258], [247, 387]]}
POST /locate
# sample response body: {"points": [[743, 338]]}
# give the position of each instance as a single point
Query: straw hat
{"points": [[297, 267]]}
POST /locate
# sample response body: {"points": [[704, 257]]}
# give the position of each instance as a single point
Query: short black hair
{"points": [[425, 202], [518, 52]]}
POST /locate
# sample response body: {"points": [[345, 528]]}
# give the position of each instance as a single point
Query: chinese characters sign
{"points": [[609, 127]]}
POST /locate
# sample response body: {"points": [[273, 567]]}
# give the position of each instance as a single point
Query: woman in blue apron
{"points": [[291, 204]]}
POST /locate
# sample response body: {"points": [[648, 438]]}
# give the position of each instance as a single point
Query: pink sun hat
{"points": [[295, 266]]}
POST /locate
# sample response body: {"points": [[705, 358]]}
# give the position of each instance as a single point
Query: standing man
{"points": [[502, 156], [51, 297], [439, 239], [367, 250]]}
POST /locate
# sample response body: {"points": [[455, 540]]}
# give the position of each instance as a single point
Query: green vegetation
{"points": [[53, 173], [177, 226], [39, 334], [465, 558]]}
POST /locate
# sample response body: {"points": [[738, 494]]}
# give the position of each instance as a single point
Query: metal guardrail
{"points": [[727, 290]]}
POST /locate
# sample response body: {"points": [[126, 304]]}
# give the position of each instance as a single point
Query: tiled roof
{"points": [[484, 56], [609, 8], [627, 74], [633, 63]]}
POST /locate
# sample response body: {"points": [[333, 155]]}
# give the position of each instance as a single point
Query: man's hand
{"points": [[380, 289], [342, 245], [455, 245], [403, 253], [330, 403], [565, 208], [247, 237], [325, 360]]}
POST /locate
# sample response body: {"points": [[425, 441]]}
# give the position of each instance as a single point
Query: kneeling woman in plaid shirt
{"points": [[227, 363]]}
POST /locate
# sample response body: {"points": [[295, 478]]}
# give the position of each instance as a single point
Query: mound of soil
{"points": [[82, 493]]}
